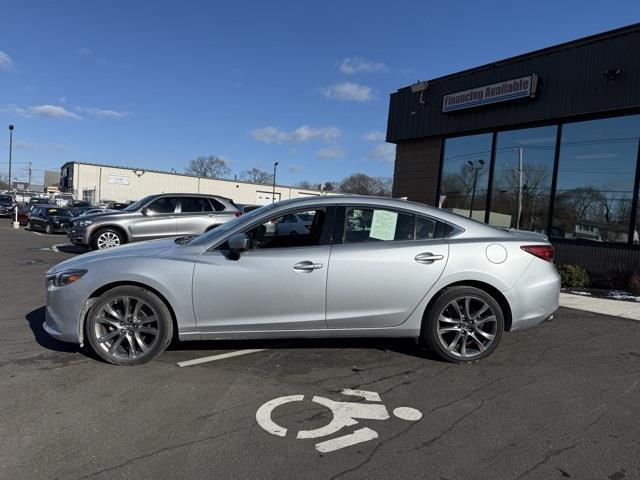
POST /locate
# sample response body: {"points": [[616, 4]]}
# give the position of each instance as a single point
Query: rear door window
{"points": [[377, 225], [196, 205]]}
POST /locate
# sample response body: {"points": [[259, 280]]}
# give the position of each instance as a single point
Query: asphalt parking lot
{"points": [[558, 401]]}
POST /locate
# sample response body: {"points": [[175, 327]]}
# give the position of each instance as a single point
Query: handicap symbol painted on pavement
{"points": [[345, 414]]}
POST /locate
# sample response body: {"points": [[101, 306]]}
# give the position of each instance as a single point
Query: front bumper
{"points": [[79, 235], [65, 307]]}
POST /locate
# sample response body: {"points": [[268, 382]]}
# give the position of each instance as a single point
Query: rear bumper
{"points": [[536, 295]]}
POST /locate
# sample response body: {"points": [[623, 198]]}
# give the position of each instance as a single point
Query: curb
{"points": [[616, 308]]}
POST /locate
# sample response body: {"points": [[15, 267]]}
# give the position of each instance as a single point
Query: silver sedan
{"points": [[366, 267]]}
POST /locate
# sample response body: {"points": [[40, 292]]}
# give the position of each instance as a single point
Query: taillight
{"points": [[544, 252], [238, 214]]}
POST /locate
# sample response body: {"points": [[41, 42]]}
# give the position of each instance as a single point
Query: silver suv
{"points": [[155, 216]]}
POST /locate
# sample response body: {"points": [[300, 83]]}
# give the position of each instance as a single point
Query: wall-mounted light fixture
{"points": [[420, 86], [139, 173]]}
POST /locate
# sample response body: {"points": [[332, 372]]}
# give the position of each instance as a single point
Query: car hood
{"points": [[112, 215], [139, 249]]}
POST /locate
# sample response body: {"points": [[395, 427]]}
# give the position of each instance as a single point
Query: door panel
{"points": [[379, 284], [154, 226], [261, 290]]}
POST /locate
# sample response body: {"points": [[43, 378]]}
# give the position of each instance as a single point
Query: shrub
{"points": [[634, 284], [573, 276]]}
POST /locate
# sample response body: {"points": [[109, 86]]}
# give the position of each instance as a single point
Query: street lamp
{"points": [[476, 168], [273, 196], [11, 127]]}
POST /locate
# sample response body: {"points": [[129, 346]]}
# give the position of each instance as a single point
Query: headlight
{"points": [[65, 277], [82, 223]]}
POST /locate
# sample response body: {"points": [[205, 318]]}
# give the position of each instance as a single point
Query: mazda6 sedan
{"points": [[366, 267]]}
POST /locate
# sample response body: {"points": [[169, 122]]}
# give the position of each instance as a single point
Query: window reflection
{"points": [[465, 175], [596, 174], [522, 178]]}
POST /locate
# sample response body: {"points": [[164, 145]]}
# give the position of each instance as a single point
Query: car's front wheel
{"points": [[48, 229], [107, 238], [129, 325], [463, 325]]}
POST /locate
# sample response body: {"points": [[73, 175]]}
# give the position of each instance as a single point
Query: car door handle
{"points": [[427, 257], [307, 266]]}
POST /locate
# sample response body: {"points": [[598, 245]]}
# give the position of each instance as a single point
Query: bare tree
{"points": [[4, 182], [255, 175], [362, 184], [209, 166]]}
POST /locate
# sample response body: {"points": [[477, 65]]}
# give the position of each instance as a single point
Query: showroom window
{"points": [[465, 175], [596, 174], [522, 178]]}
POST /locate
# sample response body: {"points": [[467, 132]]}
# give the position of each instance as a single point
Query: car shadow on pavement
{"points": [[71, 248], [403, 346], [36, 319]]}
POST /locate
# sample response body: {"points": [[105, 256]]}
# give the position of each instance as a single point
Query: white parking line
{"points": [[39, 234], [213, 358]]}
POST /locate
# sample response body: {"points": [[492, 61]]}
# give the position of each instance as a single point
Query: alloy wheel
{"points": [[126, 327], [108, 240], [467, 326]]}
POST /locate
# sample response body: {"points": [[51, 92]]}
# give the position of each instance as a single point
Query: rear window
{"points": [[218, 206]]}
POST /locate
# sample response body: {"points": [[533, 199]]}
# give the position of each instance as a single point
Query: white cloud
{"points": [[330, 152], [85, 51], [374, 136], [58, 147], [354, 65], [385, 152], [98, 112], [349, 92], [6, 63], [301, 134], [295, 168], [21, 145], [53, 111]]}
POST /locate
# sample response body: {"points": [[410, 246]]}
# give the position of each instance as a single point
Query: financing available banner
{"points": [[494, 93]]}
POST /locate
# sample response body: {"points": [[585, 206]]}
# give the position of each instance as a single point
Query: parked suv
{"points": [[155, 216], [49, 219], [6, 205]]}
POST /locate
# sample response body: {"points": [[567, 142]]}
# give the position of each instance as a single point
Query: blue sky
{"points": [[155, 84]]}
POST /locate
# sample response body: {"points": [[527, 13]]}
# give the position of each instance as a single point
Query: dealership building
{"points": [[547, 141], [94, 182]]}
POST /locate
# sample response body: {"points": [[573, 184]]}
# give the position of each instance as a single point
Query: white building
{"points": [[95, 182]]}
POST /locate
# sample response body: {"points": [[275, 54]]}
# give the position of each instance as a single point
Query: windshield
{"points": [[137, 205], [225, 227]]}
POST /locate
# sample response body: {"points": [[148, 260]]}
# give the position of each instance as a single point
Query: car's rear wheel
{"points": [[129, 325], [107, 238], [463, 325]]}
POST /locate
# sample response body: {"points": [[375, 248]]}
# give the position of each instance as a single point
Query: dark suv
{"points": [[6, 205], [155, 216], [49, 219]]}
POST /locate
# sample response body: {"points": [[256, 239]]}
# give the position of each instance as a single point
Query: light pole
{"points": [[11, 127], [273, 196], [476, 168]]}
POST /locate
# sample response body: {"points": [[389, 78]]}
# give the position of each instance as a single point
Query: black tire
{"points": [[100, 326], [48, 229], [96, 240], [480, 334]]}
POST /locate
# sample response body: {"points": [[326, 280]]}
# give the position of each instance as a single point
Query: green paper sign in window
{"points": [[383, 225]]}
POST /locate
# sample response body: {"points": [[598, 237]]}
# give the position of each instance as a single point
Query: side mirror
{"points": [[239, 243], [145, 211]]}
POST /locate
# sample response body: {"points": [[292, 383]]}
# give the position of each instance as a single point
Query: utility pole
{"points": [[519, 188], [476, 169], [29, 182], [11, 127]]}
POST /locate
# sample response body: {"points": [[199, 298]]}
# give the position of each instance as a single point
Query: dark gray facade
{"points": [[572, 83], [577, 134]]}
